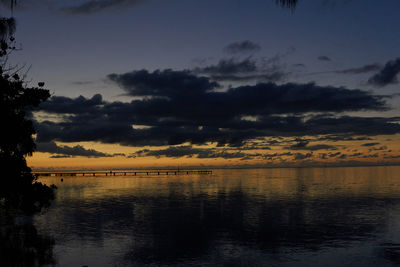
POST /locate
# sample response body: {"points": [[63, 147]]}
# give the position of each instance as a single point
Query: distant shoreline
{"points": [[189, 168]]}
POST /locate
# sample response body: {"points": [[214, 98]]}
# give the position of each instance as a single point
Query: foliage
{"points": [[19, 189], [287, 3]]}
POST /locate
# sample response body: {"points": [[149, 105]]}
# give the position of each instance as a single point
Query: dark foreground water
{"points": [[258, 217]]}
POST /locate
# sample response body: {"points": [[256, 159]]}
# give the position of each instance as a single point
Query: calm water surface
{"points": [[257, 217]]}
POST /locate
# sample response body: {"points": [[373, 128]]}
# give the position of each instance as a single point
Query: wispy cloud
{"points": [[94, 6], [388, 75], [242, 47], [324, 58], [82, 82]]}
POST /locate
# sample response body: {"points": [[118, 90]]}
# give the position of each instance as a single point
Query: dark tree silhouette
{"points": [[19, 189], [20, 243], [284, 3], [287, 3]]}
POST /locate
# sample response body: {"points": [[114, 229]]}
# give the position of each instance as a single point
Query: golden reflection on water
{"points": [[282, 183], [266, 216]]}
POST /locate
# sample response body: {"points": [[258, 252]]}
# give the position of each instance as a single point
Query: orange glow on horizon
{"points": [[386, 151]]}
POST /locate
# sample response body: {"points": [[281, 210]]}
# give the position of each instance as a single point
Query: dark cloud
{"points": [[377, 148], [267, 98], [392, 157], [363, 69], [324, 58], [303, 145], [93, 6], [299, 65], [371, 156], [276, 155], [65, 105], [226, 155], [242, 47], [333, 155], [189, 151], [238, 69], [370, 144], [60, 156], [67, 151], [229, 67], [343, 137], [300, 144], [254, 146], [273, 76], [323, 155], [248, 69], [171, 152], [301, 156], [166, 83], [320, 147], [178, 132], [388, 75], [370, 125], [179, 107]]}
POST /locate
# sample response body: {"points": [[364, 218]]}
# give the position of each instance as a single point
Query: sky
{"points": [[151, 83]]}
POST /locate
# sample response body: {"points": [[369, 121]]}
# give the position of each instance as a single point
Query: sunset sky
{"points": [[156, 83]]}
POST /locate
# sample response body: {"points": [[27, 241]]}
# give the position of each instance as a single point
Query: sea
{"points": [[341, 216]]}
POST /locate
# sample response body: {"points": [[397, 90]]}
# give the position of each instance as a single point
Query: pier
{"points": [[123, 173]]}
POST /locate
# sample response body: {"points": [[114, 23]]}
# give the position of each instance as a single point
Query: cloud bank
{"points": [[67, 151], [176, 107]]}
